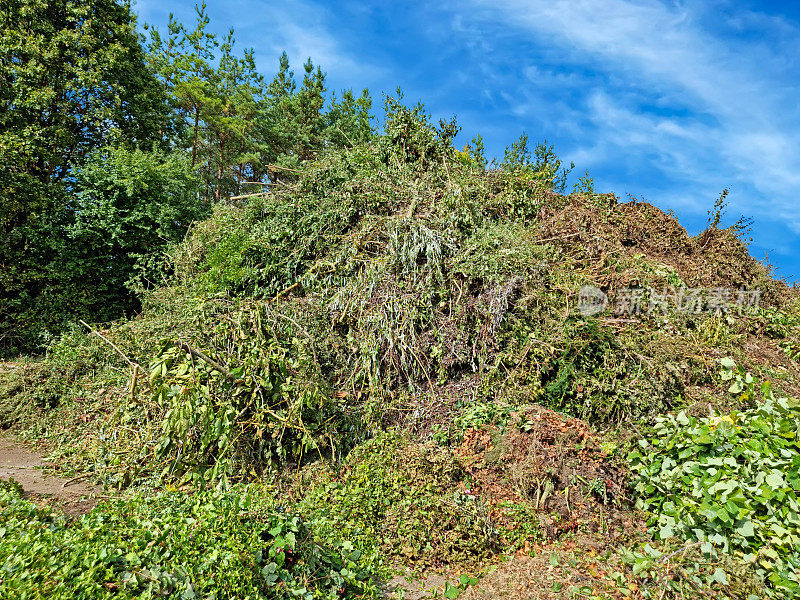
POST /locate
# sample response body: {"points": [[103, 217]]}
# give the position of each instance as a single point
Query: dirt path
{"points": [[18, 462]]}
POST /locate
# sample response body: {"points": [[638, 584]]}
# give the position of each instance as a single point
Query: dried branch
{"points": [[200, 356], [248, 195], [136, 368]]}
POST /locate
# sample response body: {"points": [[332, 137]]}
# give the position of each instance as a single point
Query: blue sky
{"points": [[666, 101]]}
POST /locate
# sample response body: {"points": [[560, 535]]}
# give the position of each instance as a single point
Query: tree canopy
{"points": [[73, 78], [111, 144]]}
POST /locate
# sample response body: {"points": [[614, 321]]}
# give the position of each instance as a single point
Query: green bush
{"points": [[237, 544], [128, 206], [244, 399], [675, 570], [594, 377], [402, 500], [729, 482]]}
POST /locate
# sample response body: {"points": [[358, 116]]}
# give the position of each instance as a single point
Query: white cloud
{"points": [[299, 27], [738, 124]]}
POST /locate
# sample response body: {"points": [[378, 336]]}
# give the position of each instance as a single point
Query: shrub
{"points": [[244, 400], [402, 499], [595, 378], [729, 482], [208, 545]]}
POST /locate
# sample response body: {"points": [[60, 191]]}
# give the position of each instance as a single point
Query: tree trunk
{"points": [[194, 135]]}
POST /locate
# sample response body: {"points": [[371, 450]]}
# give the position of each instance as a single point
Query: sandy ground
{"points": [[21, 464], [415, 589]]}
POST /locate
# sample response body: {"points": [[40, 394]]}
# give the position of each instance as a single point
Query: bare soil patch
{"points": [[23, 465]]}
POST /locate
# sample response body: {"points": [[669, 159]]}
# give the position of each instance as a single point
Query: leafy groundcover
{"points": [[204, 545], [730, 482]]}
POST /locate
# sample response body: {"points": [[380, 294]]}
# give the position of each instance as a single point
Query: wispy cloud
{"points": [[301, 28], [695, 93]]}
